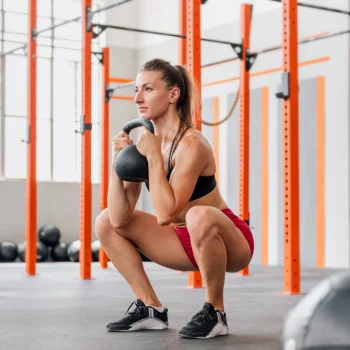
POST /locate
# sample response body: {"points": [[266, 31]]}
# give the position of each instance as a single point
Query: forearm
{"points": [[118, 205], [161, 193]]}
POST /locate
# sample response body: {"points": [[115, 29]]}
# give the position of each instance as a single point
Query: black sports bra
{"points": [[204, 185]]}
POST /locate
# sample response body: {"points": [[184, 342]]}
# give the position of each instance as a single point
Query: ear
{"points": [[174, 94]]}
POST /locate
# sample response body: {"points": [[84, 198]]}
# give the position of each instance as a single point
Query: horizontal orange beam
{"points": [[125, 98], [119, 80], [263, 72], [268, 71]]}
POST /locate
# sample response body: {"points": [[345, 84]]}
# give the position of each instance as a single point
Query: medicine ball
{"points": [[321, 320], [42, 251], [59, 252], [8, 251], [74, 250], [95, 247], [49, 235]]}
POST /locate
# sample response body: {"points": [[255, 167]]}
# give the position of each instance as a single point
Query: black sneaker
{"points": [[207, 323], [140, 317]]}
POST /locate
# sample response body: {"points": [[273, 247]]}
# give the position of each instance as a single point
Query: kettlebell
{"points": [[129, 164]]}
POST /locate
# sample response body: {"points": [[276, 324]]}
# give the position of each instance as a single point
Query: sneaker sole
{"points": [[147, 324], [219, 330]]}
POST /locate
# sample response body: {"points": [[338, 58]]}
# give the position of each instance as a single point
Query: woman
{"points": [[193, 229]]}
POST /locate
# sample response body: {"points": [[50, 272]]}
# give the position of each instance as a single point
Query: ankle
{"points": [[151, 301], [217, 306]]}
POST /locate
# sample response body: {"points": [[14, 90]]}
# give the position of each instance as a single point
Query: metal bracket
{"points": [[34, 34], [250, 59], [284, 87], [109, 93], [83, 126], [26, 136], [101, 28], [99, 56], [238, 48], [89, 16]]}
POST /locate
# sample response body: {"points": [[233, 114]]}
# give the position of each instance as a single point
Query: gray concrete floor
{"points": [[57, 310]]}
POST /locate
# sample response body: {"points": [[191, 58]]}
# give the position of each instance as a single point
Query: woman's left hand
{"points": [[148, 144]]}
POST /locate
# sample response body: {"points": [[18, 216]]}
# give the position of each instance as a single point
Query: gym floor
{"points": [[57, 310]]}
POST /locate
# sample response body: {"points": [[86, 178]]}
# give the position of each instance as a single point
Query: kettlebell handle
{"points": [[135, 123]]}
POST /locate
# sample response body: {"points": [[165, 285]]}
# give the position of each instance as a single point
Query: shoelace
{"points": [[137, 310], [202, 316]]}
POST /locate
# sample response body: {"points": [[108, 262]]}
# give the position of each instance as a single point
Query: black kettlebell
{"points": [[129, 164]]}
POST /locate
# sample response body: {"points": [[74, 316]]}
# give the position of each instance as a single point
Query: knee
{"points": [[199, 223], [102, 225]]}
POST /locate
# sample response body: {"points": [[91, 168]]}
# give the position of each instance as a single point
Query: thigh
{"points": [[159, 243], [237, 247]]}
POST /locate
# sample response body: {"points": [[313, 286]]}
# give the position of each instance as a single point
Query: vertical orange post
{"points": [[216, 148], [85, 192], [244, 97], [31, 186], [320, 158], [194, 67], [182, 31], [291, 149], [264, 175], [104, 144]]}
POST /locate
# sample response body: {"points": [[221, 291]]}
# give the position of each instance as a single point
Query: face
{"points": [[152, 97]]}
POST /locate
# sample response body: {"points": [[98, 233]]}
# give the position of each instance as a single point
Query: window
{"points": [[60, 9], [59, 92], [16, 23], [16, 85], [15, 149], [16, 6], [43, 109]]}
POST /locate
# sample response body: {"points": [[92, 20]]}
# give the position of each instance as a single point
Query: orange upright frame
{"points": [[244, 98], [104, 144], [194, 66], [85, 193], [31, 195], [182, 31], [291, 150]]}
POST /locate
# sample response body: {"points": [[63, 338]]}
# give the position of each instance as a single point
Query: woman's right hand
{"points": [[120, 141]]}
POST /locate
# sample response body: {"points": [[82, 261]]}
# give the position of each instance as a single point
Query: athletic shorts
{"points": [[184, 235]]}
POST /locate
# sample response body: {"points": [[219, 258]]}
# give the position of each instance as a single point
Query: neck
{"points": [[166, 126]]}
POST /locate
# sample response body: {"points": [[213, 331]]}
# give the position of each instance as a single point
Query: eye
{"points": [[149, 89]]}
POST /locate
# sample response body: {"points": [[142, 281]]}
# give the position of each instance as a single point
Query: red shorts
{"points": [[184, 235]]}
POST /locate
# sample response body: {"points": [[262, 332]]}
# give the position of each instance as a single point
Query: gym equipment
{"points": [[42, 251], [73, 251], [59, 252], [95, 247], [321, 320], [8, 251], [129, 164], [49, 235]]}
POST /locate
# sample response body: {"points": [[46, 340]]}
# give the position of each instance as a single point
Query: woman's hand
{"points": [[148, 144], [120, 141]]}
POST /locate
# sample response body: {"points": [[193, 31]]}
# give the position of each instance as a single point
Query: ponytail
{"points": [[188, 104]]}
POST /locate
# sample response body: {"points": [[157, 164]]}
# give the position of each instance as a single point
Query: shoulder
{"points": [[194, 142], [195, 150]]}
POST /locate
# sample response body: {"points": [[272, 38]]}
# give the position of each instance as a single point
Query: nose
{"points": [[138, 97]]}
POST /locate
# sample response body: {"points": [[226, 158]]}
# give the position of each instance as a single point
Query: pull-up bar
{"points": [[317, 7], [36, 33], [90, 14], [278, 47], [103, 27]]}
